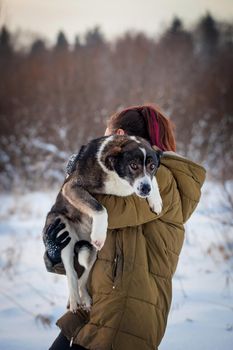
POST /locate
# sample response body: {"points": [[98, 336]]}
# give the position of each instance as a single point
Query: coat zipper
{"points": [[115, 266]]}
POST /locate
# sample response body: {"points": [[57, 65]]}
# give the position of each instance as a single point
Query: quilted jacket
{"points": [[131, 280]]}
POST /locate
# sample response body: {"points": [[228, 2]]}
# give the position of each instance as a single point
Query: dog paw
{"points": [[74, 306], [86, 307], [98, 244], [86, 304], [86, 300], [155, 205]]}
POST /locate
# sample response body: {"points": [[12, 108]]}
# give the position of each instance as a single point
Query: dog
{"points": [[118, 165]]}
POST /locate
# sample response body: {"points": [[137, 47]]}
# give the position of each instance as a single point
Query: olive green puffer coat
{"points": [[131, 281]]}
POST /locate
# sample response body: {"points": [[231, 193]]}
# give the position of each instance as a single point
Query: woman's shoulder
{"points": [[164, 176], [187, 177]]}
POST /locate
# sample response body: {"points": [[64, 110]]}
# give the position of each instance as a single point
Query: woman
{"points": [[131, 281]]}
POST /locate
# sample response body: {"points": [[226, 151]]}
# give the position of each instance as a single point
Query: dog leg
{"points": [[154, 199], [67, 256], [99, 228], [83, 201], [86, 258]]}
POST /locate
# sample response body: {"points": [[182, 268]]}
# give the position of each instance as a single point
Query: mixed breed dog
{"points": [[118, 165]]}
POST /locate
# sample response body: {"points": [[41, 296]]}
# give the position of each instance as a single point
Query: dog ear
{"points": [[109, 162], [111, 157], [159, 153]]}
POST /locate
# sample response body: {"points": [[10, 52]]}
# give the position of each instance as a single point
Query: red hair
{"points": [[146, 121]]}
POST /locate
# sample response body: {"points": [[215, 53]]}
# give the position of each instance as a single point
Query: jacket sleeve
{"points": [[133, 211], [122, 212]]}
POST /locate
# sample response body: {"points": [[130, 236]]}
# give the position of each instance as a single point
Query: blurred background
{"points": [[65, 67]]}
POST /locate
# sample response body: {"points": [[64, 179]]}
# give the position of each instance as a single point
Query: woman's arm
{"points": [[126, 211], [132, 210], [122, 212]]}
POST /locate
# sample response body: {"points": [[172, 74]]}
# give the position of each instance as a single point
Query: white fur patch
{"points": [[117, 186], [154, 199], [83, 256], [144, 153]]}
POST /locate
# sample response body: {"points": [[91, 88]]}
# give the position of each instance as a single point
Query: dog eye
{"points": [[152, 166], [133, 166]]}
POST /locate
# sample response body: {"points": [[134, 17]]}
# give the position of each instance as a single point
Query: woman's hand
{"points": [[53, 242]]}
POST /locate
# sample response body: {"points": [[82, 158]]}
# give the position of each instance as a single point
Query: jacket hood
{"points": [[189, 177]]}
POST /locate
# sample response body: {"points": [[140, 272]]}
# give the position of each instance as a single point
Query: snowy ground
{"points": [[31, 299]]}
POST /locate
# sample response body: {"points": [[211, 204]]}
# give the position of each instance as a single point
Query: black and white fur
{"points": [[116, 165]]}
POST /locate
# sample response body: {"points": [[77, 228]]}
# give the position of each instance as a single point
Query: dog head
{"points": [[134, 161]]}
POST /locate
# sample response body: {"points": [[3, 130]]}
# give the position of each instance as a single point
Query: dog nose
{"points": [[145, 189]]}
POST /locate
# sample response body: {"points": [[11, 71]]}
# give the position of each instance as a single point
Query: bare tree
{"points": [[54, 100]]}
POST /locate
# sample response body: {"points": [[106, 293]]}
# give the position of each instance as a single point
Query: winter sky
{"points": [[47, 17]]}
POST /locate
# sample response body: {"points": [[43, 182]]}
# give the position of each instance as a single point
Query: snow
{"points": [[202, 308], [31, 298], [26, 288], [49, 147]]}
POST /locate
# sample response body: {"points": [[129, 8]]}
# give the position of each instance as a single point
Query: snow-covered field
{"points": [[31, 299]]}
